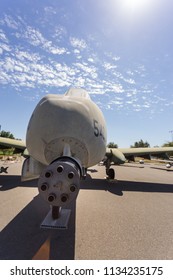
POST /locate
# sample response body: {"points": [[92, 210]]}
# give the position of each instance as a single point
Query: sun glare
{"points": [[135, 5]]}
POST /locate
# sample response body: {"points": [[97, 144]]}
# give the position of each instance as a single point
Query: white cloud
{"points": [[80, 82], [117, 102], [10, 22], [117, 88], [27, 56], [147, 105], [50, 10], [130, 73], [59, 32], [35, 38], [5, 47], [65, 68], [90, 60], [3, 36], [89, 70], [78, 43], [116, 58], [38, 62], [111, 86], [76, 51], [112, 56], [109, 66], [118, 75], [129, 81], [56, 50]]}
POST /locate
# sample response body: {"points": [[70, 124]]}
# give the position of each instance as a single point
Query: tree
{"points": [[112, 145], [6, 134], [140, 144], [168, 144]]}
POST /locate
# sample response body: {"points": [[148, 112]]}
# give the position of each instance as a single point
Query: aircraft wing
{"points": [[120, 155], [18, 144]]}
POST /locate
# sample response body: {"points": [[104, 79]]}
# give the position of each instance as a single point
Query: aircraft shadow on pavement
{"points": [[164, 169], [23, 239], [152, 167], [132, 165], [118, 186], [12, 181], [92, 170]]}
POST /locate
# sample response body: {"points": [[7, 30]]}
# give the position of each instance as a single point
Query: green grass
{"points": [[7, 152]]}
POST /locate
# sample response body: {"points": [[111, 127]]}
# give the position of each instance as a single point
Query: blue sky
{"points": [[120, 51]]}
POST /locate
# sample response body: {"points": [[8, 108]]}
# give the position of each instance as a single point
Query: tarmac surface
{"points": [[129, 218]]}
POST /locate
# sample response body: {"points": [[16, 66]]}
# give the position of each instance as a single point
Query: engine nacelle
{"points": [[117, 156]]}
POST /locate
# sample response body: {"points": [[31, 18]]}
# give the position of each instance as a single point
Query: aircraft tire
{"points": [[111, 174]]}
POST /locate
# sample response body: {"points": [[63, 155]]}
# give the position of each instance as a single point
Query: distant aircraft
{"points": [[67, 134], [3, 169]]}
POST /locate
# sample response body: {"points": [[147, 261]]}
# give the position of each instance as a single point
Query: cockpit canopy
{"points": [[77, 92]]}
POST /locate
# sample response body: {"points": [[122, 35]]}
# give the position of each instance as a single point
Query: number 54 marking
{"points": [[98, 130]]}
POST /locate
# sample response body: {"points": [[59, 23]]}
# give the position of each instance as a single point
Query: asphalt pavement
{"points": [[128, 218]]}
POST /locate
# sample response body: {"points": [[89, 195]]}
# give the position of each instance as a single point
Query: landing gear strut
{"points": [[110, 172]]}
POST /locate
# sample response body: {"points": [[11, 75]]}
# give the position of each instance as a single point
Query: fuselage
{"points": [[71, 120]]}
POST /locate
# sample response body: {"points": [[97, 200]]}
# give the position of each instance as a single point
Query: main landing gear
{"points": [[110, 172]]}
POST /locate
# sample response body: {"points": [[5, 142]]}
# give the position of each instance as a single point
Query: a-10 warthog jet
{"points": [[67, 134]]}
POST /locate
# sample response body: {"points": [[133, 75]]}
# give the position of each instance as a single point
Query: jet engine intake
{"points": [[59, 182]]}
